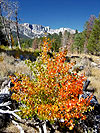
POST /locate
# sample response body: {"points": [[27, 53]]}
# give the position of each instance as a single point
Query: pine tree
{"points": [[87, 31], [78, 42], [94, 40]]}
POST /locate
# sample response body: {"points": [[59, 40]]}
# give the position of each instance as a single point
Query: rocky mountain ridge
{"points": [[36, 30]]}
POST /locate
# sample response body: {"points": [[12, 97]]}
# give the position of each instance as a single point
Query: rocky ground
{"points": [[91, 68], [90, 65]]}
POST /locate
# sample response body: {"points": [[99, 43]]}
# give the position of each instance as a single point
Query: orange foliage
{"points": [[54, 96]]}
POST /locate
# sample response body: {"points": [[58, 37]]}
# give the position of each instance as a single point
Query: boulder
{"points": [[85, 85], [93, 64], [86, 94], [98, 65], [2, 80], [85, 61]]}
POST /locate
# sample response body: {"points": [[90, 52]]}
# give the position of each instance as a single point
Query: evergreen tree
{"points": [[87, 31], [78, 43], [55, 40], [94, 40], [76, 31]]}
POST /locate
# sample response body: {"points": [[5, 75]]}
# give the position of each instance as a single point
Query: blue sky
{"points": [[58, 13]]}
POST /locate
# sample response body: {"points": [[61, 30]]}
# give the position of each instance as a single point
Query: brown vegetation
{"points": [[91, 72]]}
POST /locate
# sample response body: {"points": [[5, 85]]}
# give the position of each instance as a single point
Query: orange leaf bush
{"points": [[53, 93]]}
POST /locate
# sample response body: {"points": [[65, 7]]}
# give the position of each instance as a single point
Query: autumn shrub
{"points": [[53, 93]]}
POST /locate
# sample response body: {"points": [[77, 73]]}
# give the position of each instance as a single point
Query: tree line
{"points": [[88, 41]]}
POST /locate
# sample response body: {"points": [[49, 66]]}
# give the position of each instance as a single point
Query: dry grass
{"points": [[13, 129], [96, 59], [10, 129], [92, 73], [95, 81], [8, 66], [96, 72], [28, 129], [7, 69]]}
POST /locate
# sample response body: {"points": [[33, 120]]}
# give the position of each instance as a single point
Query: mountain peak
{"points": [[36, 30]]}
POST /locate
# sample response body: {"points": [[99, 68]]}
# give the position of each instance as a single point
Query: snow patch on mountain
{"points": [[36, 30]]}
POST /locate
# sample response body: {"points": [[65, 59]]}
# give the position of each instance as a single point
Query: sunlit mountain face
{"points": [[35, 30]]}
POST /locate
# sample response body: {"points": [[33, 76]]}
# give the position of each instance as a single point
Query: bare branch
{"points": [[10, 112], [5, 104]]}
